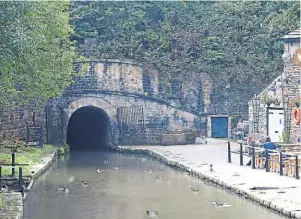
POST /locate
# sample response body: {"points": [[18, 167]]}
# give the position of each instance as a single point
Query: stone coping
{"points": [[277, 206]]}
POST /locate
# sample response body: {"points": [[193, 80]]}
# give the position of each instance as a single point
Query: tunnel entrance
{"points": [[89, 128]]}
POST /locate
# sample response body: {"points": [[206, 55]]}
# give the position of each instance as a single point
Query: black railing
{"points": [[13, 166], [266, 154]]}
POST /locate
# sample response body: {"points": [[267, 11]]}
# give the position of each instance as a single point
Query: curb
{"points": [[241, 192], [41, 171]]}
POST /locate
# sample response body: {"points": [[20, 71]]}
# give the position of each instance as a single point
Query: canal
{"points": [[126, 188]]}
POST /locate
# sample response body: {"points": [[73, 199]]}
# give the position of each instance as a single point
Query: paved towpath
{"points": [[240, 178]]}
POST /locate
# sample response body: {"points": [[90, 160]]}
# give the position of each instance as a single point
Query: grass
{"points": [[30, 155]]}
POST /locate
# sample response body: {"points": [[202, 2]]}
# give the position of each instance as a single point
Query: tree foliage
{"points": [[232, 41], [36, 53]]}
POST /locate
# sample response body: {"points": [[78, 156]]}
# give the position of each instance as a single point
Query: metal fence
{"points": [[13, 165], [265, 159]]}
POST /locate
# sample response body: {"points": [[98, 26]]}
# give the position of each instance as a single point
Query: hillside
{"points": [[234, 42]]}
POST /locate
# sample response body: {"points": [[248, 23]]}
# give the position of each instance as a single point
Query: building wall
{"points": [[284, 88]]}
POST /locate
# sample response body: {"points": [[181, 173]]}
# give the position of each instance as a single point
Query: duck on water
{"points": [[151, 213]]}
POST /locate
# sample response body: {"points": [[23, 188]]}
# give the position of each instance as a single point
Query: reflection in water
{"points": [[129, 191]]}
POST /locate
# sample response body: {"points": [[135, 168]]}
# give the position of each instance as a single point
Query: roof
{"points": [[296, 34]]}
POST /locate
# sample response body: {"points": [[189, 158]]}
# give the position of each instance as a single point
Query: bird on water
{"points": [[99, 170], [106, 161], [61, 189], [151, 213], [194, 189], [211, 168], [84, 183]]}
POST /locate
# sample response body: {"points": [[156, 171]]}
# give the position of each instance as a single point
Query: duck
{"points": [[151, 213], [158, 177], [150, 171], [116, 168], [211, 168], [99, 170], [106, 161], [84, 183], [4, 188], [218, 204], [195, 189], [221, 204], [61, 189]]}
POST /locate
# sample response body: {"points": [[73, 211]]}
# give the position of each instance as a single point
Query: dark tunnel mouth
{"points": [[89, 129]]}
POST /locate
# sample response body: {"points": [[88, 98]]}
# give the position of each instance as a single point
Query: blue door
{"points": [[219, 127]]}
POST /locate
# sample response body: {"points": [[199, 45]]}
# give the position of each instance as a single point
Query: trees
{"points": [[36, 53], [232, 41]]}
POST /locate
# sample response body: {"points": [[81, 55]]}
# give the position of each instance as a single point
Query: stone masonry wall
{"points": [[129, 77], [159, 118], [285, 87], [123, 78], [13, 123]]}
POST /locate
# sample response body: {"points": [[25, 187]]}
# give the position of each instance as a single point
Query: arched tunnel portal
{"points": [[89, 128]]}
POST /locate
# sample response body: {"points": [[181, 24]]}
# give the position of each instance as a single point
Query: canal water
{"points": [[127, 192]]}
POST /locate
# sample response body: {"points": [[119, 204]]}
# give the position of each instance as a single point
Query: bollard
{"points": [[253, 157], [20, 179], [297, 168], [241, 156], [229, 153], [267, 169], [13, 164], [280, 164]]}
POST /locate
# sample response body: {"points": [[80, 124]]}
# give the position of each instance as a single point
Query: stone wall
{"points": [[159, 118], [192, 92], [123, 84], [13, 123], [283, 90]]}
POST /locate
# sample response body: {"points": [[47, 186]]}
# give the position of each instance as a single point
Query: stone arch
{"points": [[90, 101], [102, 110]]}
